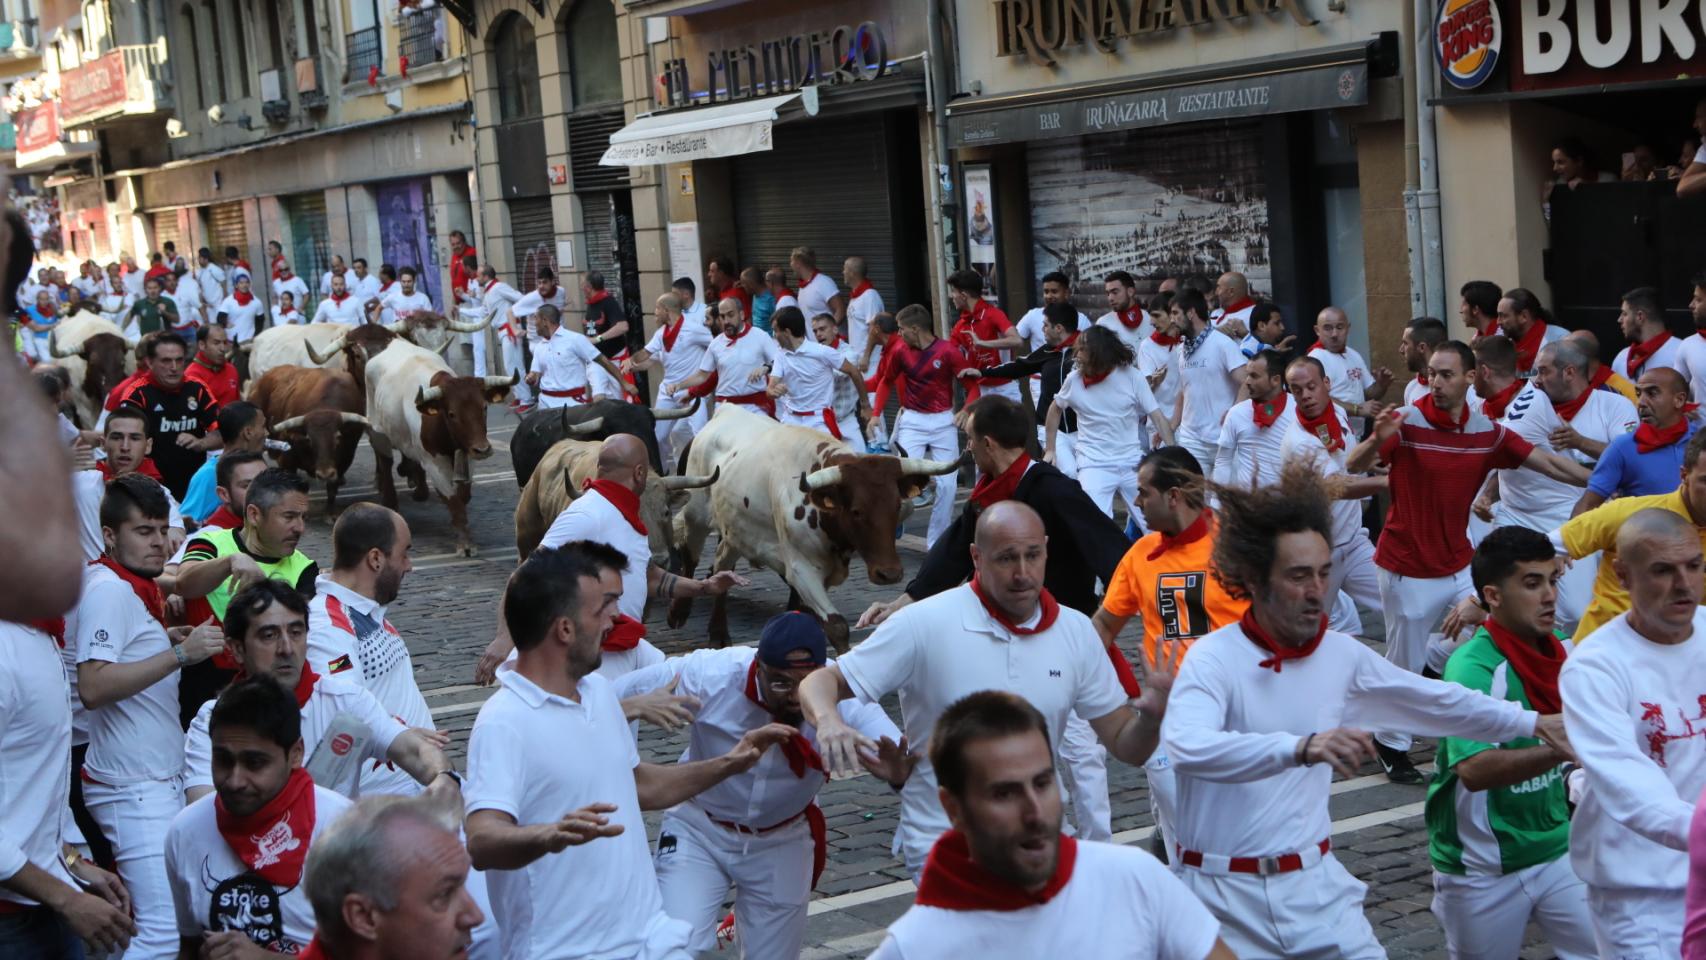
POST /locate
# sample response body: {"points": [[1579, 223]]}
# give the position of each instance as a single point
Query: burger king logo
{"points": [[1468, 35]]}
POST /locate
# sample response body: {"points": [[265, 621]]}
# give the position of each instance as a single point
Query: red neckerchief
{"points": [[1439, 419], [145, 588], [597, 296], [244, 264], [989, 490], [1278, 654], [1091, 379], [1422, 378], [1071, 339], [273, 841], [313, 951], [292, 312], [1600, 376], [625, 633], [243, 299], [1050, 611], [859, 290], [745, 329], [1492, 328], [1569, 410], [147, 468], [787, 293], [1196, 531], [952, 880], [53, 627], [1537, 669], [1649, 438], [1640, 353], [1266, 413], [1326, 428], [671, 331], [802, 756], [731, 293], [488, 287], [1162, 339], [339, 300], [1494, 406], [626, 501], [548, 297], [1131, 322], [1317, 345], [1528, 348], [805, 281], [1235, 307], [304, 684], [223, 519]]}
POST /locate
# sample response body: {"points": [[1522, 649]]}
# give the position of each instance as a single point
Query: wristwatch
{"points": [[452, 774]]}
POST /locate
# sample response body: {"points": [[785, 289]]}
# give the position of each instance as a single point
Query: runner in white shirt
{"points": [[816, 292], [1691, 355], [290, 283], [89, 280], [675, 349], [387, 286], [1055, 289], [1421, 337], [285, 312], [1233, 304], [563, 362], [210, 277], [529, 799], [1356, 387], [1632, 701], [341, 306], [1210, 371], [494, 299], [349, 636], [337, 270], [1005, 882], [1126, 316], [187, 295], [1650, 343], [1001, 631], [235, 861], [1251, 448], [1256, 709], [863, 305], [1110, 399], [739, 359], [545, 291], [127, 678], [114, 303], [761, 831], [35, 733], [1158, 358], [239, 311], [776, 280], [849, 395], [802, 378], [693, 308], [405, 299], [363, 284]]}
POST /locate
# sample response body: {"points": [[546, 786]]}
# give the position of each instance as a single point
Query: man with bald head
{"points": [[1600, 374], [1232, 295], [736, 365], [1647, 460], [1001, 631], [675, 349], [1632, 705], [1355, 386]]}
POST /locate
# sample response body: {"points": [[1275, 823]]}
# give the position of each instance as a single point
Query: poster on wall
{"points": [[684, 258], [980, 225], [1186, 202]]}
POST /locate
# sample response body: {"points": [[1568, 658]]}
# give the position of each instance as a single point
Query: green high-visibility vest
{"points": [[224, 543]]}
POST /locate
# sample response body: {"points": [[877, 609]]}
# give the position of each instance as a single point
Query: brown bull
{"points": [[321, 414]]}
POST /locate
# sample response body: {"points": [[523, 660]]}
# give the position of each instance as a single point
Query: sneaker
{"points": [[1397, 764]]}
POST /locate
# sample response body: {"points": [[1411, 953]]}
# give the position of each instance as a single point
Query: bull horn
{"points": [[426, 395], [457, 326], [827, 477], [678, 412], [586, 428], [930, 468], [492, 383], [285, 426], [331, 350], [246, 346], [346, 418], [693, 482], [53, 348]]}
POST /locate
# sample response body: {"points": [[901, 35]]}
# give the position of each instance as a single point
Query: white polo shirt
{"points": [[1528, 498], [35, 755], [1130, 336], [188, 299], [616, 909], [1120, 903], [527, 304], [214, 890], [135, 739], [562, 364], [940, 649], [1110, 416], [1348, 375], [740, 364], [861, 310], [1248, 455], [330, 697], [293, 286], [211, 279], [348, 311], [367, 288], [809, 371], [681, 360], [770, 792], [814, 295], [1152, 356], [1210, 388], [1669, 354], [1030, 326], [240, 317]]}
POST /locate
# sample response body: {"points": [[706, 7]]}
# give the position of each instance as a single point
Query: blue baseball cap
{"points": [[789, 632]]}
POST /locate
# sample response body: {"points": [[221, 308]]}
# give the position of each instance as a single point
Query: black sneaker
{"points": [[1397, 764]]}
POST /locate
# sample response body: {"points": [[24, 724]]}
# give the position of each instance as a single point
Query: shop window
{"points": [[515, 64], [595, 73]]}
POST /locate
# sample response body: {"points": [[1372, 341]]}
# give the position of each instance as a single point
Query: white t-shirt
{"points": [[330, 697], [326, 281], [1121, 903], [591, 517], [213, 890], [280, 318], [1242, 315], [1632, 707], [681, 360], [211, 279], [809, 373], [1249, 455], [188, 299], [350, 310], [529, 303], [1209, 385], [1132, 337], [1110, 416], [1667, 355], [740, 364], [1414, 390], [562, 361], [814, 296], [399, 305], [1152, 356], [861, 310], [240, 318], [367, 288], [939, 649], [1348, 375], [1030, 326], [135, 739], [294, 286], [1691, 363], [1299, 442], [515, 770], [1528, 498], [35, 755]]}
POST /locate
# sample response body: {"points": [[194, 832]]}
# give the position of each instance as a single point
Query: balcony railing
{"points": [[364, 52], [422, 38]]}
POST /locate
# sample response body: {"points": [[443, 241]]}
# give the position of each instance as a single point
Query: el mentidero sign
{"points": [[1038, 28]]}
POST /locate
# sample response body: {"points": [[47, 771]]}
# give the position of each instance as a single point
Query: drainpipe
{"points": [[1412, 171], [942, 232], [1433, 250]]}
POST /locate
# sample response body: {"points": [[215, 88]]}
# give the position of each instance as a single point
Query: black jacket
{"points": [[1084, 544], [1052, 364]]}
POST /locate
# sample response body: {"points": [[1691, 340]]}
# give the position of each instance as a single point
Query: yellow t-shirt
{"points": [[1596, 531], [1176, 593]]}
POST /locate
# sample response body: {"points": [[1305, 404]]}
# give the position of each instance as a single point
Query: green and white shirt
{"points": [[1505, 829]]}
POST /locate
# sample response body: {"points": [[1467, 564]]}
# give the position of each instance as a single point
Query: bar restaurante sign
{"points": [[1039, 29]]}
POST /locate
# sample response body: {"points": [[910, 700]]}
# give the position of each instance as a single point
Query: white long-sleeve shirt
{"points": [[1232, 730], [1250, 455], [1636, 721]]}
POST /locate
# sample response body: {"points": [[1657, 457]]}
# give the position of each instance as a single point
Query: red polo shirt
{"points": [[986, 323], [222, 383]]}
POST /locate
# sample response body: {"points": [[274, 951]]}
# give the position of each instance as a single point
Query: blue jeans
{"points": [[37, 934]]}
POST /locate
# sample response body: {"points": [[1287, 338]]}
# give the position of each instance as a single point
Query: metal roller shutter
{"points": [[310, 242], [600, 238], [534, 238], [166, 231], [843, 212], [225, 225]]}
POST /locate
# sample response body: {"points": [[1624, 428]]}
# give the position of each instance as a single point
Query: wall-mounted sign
{"points": [[1040, 28], [1467, 38], [38, 133], [93, 89], [1577, 42], [843, 54]]}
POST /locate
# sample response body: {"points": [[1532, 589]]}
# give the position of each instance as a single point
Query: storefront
{"points": [[1518, 80], [1268, 143]]}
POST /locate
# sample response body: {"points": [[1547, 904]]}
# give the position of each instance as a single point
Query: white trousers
{"points": [[601, 385], [1101, 482], [514, 361], [1485, 917], [134, 817], [1636, 924], [698, 861], [1084, 766], [1309, 914], [670, 432], [1414, 607], [1163, 797], [1355, 572], [934, 437], [1204, 450], [477, 340], [1575, 592]]}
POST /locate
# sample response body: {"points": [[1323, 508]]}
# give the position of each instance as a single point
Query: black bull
{"points": [[542, 428]]}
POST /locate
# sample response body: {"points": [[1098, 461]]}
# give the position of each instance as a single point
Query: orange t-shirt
{"points": [[1176, 594]]}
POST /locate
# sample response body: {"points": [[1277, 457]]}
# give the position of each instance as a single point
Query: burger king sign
{"points": [[1467, 34]]}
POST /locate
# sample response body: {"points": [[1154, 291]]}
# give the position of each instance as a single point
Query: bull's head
{"points": [[458, 405], [321, 430], [857, 501], [104, 356], [432, 331]]}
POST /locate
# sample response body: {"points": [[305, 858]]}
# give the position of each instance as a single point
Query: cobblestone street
{"points": [[447, 611]]}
